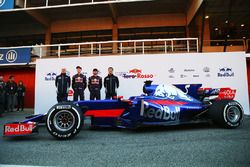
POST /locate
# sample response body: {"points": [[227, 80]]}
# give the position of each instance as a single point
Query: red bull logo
{"points": [[18, 129], [225, 72], [166, 113]]}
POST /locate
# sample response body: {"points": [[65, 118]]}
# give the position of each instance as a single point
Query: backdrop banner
{"points": [[212, 70], [14, 56], [6, 4]]}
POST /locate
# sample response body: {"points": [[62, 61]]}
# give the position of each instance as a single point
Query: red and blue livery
{"points": [[159, 105]]}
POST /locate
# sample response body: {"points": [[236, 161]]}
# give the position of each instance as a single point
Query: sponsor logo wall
{"points": [[212, 70]]}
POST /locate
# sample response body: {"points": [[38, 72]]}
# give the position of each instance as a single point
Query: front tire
{"points": [[64, 120], [227, 113]]}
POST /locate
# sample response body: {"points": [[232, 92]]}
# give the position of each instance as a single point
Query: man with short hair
{"points": [[62, 84], [11, 88], [95, 85], [2, 95], [111, 83], [79, 84]]}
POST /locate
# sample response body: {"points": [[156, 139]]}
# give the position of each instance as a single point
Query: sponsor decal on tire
{"points": [[64, 121], [238, 120]]}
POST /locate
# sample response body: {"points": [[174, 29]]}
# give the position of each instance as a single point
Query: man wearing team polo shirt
{"points": [[79, 84], [95, 85]]}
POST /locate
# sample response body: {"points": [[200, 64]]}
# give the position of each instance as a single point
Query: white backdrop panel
{"points": [[191, 68]]}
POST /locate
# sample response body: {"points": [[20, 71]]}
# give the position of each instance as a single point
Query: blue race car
{"points": [[159, 105]]}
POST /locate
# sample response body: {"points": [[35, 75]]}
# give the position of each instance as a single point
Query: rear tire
{"points": [[64, 120], [226, 113]]}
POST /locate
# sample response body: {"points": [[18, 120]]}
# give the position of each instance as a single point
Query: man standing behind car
{"points": [[11, 88], [2, 95], [63, 84], [20, 95], [111, 83], [95, 85], [79, 84]]}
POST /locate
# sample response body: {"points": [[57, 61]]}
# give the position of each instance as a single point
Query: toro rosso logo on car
{"points": [[136, 73], [167, 113], [18, 129]]}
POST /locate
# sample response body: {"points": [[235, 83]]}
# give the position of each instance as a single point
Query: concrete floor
{"points": [[185, 145]]}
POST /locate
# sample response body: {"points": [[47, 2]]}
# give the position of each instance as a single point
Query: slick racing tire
{"points": [[227, 113], [64, 120]]}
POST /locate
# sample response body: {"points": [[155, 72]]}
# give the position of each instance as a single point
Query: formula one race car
{"points": [[159, 105]]}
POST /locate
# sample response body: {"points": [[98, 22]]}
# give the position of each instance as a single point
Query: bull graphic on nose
{"points": [[171, 92]]}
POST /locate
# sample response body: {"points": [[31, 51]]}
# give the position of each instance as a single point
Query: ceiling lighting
{"points": [[228, 35], [226, 21], [242, 25], [207, 17], [244, 37], [216, 28]]}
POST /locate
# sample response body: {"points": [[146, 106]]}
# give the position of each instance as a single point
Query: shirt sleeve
{"points": [[117, 82], [69, 82], [73, 82], [89, 81], [7, 87], [100, 83], [56, 82], [15, 87], [85, 82], [105, 83]]}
